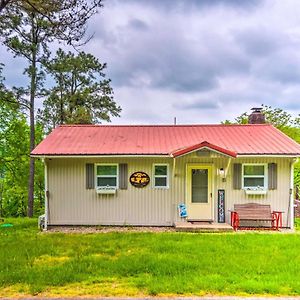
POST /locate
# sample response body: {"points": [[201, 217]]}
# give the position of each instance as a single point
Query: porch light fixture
{"points": [[222, 174]]}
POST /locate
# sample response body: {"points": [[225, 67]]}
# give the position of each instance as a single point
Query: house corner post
{"points": [[46, 193], [292, 194]]}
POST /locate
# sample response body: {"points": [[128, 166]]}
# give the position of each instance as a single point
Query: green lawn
{"points": [[297, 224], [136, 264]]}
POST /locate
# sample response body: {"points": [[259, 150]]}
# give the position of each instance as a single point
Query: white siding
{"points": [[70, 203]]}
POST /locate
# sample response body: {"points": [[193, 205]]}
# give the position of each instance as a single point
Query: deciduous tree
{"points": [[27, 28], [275, 116], [14, 157]]}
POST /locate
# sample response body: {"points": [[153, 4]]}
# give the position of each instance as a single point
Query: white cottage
{"points": [[139, 175]]}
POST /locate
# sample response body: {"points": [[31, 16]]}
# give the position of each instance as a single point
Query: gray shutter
{"points": [[90, 176], [237, 176], [272, 176], [123, 175]]}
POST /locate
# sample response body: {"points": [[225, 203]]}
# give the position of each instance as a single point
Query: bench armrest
{"points": [[234, 219], [278, 218]]}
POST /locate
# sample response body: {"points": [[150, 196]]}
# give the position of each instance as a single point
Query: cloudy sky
{"points": [[201, 61]]}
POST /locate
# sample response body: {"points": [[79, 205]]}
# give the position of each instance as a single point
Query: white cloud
{"points": [[201, 61]]}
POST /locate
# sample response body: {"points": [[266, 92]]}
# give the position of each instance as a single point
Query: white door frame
{"points": [[188, 185]]}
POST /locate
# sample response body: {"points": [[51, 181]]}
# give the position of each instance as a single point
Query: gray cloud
{"points": [[283, 67], [198, 105], [160, 58], [172, 5], [258, 41], [138, 24]]}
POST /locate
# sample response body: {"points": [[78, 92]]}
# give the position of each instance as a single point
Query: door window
{"points": [[199, 185]]}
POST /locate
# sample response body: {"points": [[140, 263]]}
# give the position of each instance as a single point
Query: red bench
{"points": [[255, 212]]}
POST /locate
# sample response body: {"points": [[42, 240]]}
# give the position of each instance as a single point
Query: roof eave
{"points": [[279, 155], [163, 155], [95, 155]]}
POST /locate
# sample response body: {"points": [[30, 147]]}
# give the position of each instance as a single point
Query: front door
{"points": [[199, 192]]}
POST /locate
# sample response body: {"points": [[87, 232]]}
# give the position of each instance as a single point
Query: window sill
{"points": [[105, 190], [255, 192]]}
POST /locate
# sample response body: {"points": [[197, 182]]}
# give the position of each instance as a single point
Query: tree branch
{"points": [[17, 102], [3, 4]]}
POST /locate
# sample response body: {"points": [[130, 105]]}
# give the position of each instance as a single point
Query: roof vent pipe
{"points": [[257, 116]]}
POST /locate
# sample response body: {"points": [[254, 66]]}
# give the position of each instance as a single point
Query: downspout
{"points": [[291, 200], [46, 194]]}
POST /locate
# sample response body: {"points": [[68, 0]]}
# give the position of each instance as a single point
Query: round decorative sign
{"points": [[139, 179]]}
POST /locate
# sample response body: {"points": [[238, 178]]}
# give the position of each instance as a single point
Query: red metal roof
{"points": [[172, 140]]}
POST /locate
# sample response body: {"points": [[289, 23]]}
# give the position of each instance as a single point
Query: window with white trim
{"points": [[255, 176], [107, 175], [161, 175]]}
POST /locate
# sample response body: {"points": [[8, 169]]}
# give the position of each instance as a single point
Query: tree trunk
{"points": [[61, 101], [33, 77], [31, 166], [32, 142]]}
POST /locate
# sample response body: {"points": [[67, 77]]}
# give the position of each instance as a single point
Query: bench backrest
{"points": [[253, 210]]}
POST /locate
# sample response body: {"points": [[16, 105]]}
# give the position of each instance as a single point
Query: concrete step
{"points": [[202, 226]]}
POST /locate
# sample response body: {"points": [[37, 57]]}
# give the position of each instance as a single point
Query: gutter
{"points": [[44, 156], [161, 155]]}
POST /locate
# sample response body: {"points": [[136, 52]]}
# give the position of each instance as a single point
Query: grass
{"points": [[143, 264], [297, 224]]}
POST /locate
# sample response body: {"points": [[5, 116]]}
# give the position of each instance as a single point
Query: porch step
{"points": [[202, 226]]}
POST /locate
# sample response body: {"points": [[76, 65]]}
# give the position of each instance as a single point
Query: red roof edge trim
{"points": [[202, 145]]}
